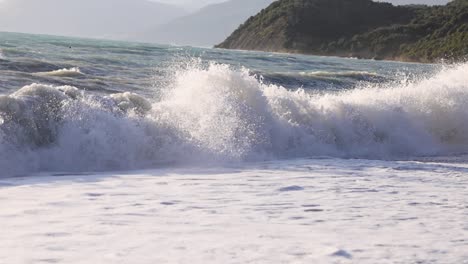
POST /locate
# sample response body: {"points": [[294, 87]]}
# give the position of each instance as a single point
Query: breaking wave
{"points": [[218, 114], [71, 72]]}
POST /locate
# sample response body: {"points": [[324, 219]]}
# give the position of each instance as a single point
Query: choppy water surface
{"points": [[87, 105], [282, 158]]}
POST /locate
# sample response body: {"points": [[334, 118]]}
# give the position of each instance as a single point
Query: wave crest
{"points": [[218, 114], [71, 72], [350, 74]]}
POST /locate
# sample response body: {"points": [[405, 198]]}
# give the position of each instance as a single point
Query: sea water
{"points": [[114, 152]]}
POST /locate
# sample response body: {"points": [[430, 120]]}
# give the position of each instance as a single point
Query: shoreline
{"points": [[350, 56]]}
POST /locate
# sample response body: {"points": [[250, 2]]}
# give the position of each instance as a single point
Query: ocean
{"points": [[118, 152]]}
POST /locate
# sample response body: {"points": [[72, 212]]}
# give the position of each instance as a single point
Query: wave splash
{"points": [[218, 114]]}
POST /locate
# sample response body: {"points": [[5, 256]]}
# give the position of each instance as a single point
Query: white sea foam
{"points": [[331, 74], [294, 211], [218, 114], [71, 72]]}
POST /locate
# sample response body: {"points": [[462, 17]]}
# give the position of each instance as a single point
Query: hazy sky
{"points": [[189, 4]]}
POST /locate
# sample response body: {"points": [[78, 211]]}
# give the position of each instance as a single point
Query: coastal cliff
{"points": [[357, 28]]}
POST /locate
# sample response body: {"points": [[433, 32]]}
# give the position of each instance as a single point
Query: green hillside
{"points": [[357, 28]]}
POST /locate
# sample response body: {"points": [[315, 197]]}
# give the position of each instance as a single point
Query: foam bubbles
{"points": [[218, 114]]}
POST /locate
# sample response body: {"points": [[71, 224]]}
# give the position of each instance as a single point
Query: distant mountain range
{"points": [[358, 28], [191, 5], [114, 19], [207, 26], [180, 22]]}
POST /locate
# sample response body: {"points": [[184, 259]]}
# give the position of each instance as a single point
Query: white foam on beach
{"points": [[302, 211]]}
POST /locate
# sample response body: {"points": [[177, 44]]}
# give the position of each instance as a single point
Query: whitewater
{"points": [[114, 152]]}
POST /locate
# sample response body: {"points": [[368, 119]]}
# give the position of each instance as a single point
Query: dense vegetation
{"points": [[358, 28]]}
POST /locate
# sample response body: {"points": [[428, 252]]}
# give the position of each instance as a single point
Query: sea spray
{"points": [[216, 114]]}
